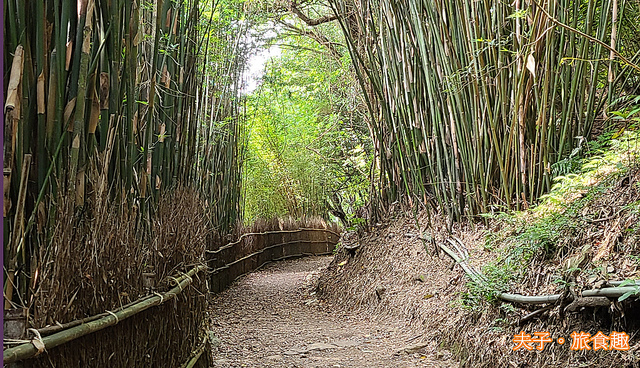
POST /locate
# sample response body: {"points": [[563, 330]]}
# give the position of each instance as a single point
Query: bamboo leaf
{"points": [[531, 64]]}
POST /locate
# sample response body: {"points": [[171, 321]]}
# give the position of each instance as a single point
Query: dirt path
{"points": [[271, 318]]}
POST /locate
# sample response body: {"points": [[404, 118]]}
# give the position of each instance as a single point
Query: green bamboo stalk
{"points": [[18, 234], [428, 80], [78, 150], [40, 54]]}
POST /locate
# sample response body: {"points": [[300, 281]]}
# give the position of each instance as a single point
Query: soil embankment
{"points": [[397, 272]]}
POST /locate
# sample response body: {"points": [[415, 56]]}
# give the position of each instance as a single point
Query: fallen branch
{"points": [[534, 314], [526, 299], [596, 301]]}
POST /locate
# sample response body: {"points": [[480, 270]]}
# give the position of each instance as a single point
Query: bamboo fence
{"points": [[230, 261], [108, 103]]}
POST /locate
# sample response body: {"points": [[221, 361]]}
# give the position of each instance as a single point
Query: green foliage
{"points": [[303, 151], [634, 292], [548, 230], [472, 103], [629, 109], [570, 164]]}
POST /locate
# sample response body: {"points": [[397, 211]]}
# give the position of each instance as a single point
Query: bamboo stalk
{"points": [[460, 91], [76, 172], [18, 233], [40, 54], [614, 33], [197, 354], [12, 116]]}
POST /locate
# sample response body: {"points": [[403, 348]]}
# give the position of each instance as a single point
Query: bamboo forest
{"points": [[321, 183]]}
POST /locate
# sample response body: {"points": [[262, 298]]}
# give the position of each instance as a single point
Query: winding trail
{"points": [[272, 318]]}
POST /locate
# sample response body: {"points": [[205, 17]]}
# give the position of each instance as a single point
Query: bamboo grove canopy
{"points": [[116, 102], [479, 104]]}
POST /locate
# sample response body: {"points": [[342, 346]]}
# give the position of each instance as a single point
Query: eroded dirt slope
{"points": [[424, 286]]}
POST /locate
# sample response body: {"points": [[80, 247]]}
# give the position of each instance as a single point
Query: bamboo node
{"points": [[37, 341], [186, 275], [160, 295], [115, 315]]}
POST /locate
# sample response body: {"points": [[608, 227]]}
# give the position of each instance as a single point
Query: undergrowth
{"points": [[553, 229]]}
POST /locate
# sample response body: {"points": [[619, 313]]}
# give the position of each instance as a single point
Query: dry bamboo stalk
{"points": [[12, 116], [15, 78], [17, 234], [197, 353]]}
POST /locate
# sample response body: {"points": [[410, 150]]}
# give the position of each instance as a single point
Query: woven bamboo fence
{"points": [[253, 250], [99, 340]]}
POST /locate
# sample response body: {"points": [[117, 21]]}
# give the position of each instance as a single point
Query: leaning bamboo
{"points": [[29, 350], [479, 279]]}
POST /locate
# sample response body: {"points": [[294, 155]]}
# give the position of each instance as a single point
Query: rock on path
{"points": [[272, 318]]}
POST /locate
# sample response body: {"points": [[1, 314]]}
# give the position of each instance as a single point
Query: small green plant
{"points": [[546, 232], [518, 14], [630, 111], [507, 308], [563, 284], [634, 292], [572, 163], [635, 259], [355, 223]]}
